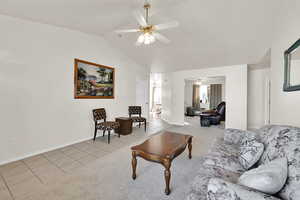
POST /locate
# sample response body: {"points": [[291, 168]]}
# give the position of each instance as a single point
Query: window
{"points": [[204, 94]]}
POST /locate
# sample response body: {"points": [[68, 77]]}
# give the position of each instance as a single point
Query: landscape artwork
{"points": [[93, 81]]}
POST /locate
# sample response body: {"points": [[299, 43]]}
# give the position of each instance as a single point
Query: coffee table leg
{"points": [[190, 148], [133, 162], [167, 165]]}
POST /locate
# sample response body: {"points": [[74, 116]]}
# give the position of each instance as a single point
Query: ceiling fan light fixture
{"points": [[141, 38], [149, 32], [147, 41], [148, 38], [152, 38]]}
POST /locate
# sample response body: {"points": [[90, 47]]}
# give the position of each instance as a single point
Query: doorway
{"points": [[155, 96], [203, 95]]}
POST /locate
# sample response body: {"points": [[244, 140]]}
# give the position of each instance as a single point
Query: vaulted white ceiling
{"points": [[211, 32]]}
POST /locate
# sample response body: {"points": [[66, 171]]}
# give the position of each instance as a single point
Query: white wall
{"points": [[257, 93], [285, 107], [188, 93], [166, 96], [38, 111], [142, 86], [235, 87]]}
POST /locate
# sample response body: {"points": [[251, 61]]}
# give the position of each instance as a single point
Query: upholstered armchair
{"points": [[135, 113], [99, 115], [213, 117]]}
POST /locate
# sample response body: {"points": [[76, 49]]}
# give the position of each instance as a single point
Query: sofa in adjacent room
{"points": [[219, 176]]}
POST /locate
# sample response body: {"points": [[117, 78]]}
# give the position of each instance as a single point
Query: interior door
{"points": [[142, 95]]}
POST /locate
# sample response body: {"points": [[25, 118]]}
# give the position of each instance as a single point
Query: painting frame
{"points": [[287, 86], [78, 81]]}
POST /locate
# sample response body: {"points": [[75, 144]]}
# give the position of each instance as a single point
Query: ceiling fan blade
{"points": [[172, 24], [161, 38], [127, 31], [140, 18]]}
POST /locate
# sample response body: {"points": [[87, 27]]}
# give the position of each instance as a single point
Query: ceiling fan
{"points": [[149, 32]]}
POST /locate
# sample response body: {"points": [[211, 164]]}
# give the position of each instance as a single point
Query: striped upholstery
{"points": [[108, 125], [137, 112], [100, 114]]}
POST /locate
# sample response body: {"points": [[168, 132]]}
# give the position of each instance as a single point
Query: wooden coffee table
{"points": [[162, 148]]}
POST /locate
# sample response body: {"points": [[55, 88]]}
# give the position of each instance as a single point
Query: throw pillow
{"points": [[219, 189], [250, 152], [268, 178], [283, 141]]}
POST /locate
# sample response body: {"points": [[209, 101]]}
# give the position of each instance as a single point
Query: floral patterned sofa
{"points": [[221, 164]]}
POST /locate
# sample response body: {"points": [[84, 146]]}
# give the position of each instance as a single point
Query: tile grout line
{"points": [[54, 164], [82, 151], [71, 157], [90, 154], [85, 152], [76, 160], [108, 152], [120, 144], [33, 172], [5, 183]]}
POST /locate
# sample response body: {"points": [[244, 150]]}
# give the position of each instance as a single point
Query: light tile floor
{"points": [[21, 179]]}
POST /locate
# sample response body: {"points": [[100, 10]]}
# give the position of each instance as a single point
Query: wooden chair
{"points": [[137, 110], [100, 114]]}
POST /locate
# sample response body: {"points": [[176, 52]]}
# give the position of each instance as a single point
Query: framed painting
{"points": [[292, 68], [93, 81]]}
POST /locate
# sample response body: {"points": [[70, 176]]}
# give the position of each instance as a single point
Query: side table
{"points": [[125, 125]]}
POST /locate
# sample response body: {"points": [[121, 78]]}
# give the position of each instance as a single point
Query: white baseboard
{"points": [[177, 124], [164, 120], [173, 123], [253, 128], [43, 151]]}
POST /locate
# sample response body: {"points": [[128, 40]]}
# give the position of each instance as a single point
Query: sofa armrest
{"points": [[218, 189]]}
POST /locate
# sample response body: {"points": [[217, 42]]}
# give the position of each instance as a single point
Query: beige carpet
{"points": [[109, 177]]}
